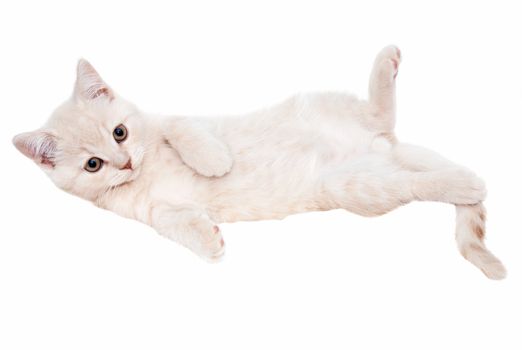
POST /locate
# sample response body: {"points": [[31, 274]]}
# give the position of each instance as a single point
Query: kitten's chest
{"points": [[164, 179], [169, 179]]}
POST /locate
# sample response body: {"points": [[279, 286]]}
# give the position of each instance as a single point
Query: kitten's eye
{"points": [[93, 165], [120, 133]]}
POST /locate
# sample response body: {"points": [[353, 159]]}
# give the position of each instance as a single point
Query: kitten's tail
{"points": [[470, 240]]}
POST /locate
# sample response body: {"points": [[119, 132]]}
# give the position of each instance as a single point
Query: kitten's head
{"points": [[93, 142]]}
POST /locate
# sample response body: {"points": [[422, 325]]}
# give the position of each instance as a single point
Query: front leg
{"points": [[191, 227], [198, 147]]}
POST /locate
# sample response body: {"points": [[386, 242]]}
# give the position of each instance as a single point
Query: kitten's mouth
{"points": [[125, 183], [130, 171], [133, 174], [127, 179]]}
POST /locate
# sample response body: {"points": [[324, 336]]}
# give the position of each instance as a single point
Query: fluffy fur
{"points": [[311, 152]]}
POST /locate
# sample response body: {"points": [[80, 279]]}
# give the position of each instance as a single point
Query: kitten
{"points": [[311, 152]]}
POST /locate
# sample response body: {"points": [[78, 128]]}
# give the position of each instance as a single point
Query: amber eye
{"points": [[120, 133], [93, 165]]}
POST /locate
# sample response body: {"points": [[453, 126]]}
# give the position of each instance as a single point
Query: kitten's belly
{"points": [[280, 173]]}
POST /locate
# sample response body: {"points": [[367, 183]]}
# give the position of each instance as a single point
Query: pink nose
{"points": [[128, 165]]}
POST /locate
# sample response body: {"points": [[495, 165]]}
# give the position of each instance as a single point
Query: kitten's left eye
{"points": [[120, 133], [93, 164]]}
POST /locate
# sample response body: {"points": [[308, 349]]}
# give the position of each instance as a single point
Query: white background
{"points": [[76, 277]]}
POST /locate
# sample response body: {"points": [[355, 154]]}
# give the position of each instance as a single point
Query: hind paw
{"points": [[388, 61], [461, 186], [465, 188], [456, 186]]}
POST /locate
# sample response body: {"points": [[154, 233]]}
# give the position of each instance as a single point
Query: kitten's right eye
{"points": [[93, 165], [120, 133]]}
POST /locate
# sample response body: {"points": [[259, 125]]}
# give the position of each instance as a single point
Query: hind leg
{"points": [[365, 193], [417, 158], [381, 89], [466, 187], [376, 184]]}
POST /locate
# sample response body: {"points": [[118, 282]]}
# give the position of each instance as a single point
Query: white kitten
{"points": [[310, 152]]}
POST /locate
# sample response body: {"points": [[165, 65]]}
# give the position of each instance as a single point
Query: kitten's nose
{"points": [[128, 165]]}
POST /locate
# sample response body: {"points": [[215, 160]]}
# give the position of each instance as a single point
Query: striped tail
{"points": [[470, 240]]}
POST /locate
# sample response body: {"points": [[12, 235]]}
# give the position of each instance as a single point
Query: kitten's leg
{"points": [[198, 147], [470, 229], [378, 186], [417, 158], [191, 228], [467, 187], [365, 193], [382, 85]]}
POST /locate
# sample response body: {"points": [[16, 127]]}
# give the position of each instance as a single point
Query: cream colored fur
{"points": [[311, 152]]}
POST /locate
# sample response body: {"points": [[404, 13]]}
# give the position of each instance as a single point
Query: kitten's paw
{"points": [[209, 158], [215, 248], [209, 243], [388, 61], [462, 187], [216, 162]]}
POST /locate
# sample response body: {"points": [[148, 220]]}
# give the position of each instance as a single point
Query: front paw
{"points": [[217, 161], [215, 248], [210, 244]]}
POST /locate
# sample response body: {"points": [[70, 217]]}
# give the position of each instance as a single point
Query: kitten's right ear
{"points": [[89, 84], [39, 146]]}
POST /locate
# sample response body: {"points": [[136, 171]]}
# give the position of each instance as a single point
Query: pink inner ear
{"points": [[39, 146], [47, 161], [89, 84], [102, 91]]}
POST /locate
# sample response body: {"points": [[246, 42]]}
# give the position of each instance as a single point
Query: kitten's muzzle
{"points": [[127, 165]]}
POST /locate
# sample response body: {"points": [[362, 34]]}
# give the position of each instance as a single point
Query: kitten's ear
{"points": [[89, 84], [39, 146]]}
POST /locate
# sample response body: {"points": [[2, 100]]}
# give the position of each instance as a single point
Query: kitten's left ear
{"points": [[39, 146], [89, 84]]}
